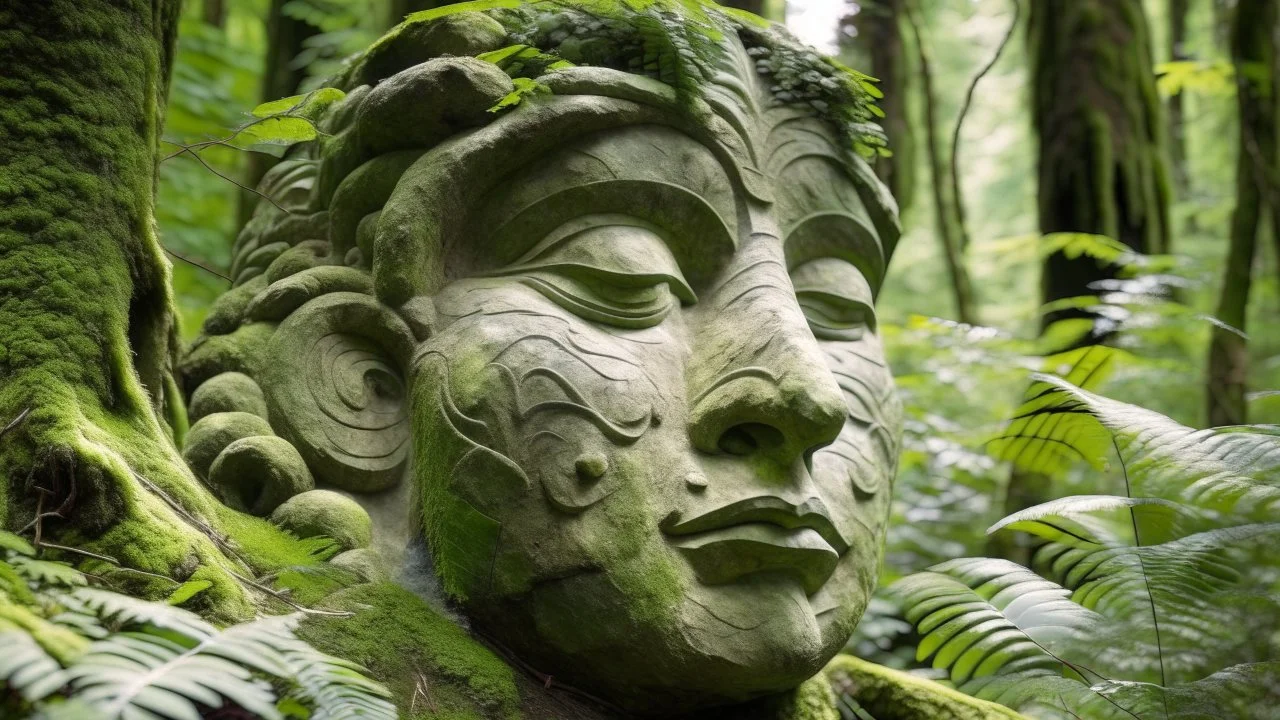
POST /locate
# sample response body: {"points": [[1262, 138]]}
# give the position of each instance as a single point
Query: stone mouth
{"points": [[729, 554], [811, 514]]}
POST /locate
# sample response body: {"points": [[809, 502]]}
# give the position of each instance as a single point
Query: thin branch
{"points": [[284, 599], [86, 553], [22, 416], [233, 181], [209, 532], [202, 266], [957, 192]]}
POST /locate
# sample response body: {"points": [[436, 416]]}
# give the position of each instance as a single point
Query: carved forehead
{"points": [[652, 172]]}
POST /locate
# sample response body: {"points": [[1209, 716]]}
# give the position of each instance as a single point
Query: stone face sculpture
{"points": [[582, 294]]}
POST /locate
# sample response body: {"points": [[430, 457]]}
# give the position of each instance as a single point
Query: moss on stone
{"points": [[889, 694], [228, 311], [408, 645], [228, 392], [213, 433], [266, 547], [257, 474], [326, 513], [241, 351]]}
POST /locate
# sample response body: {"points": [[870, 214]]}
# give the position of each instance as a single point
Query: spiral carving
{"points": [[335, 389]]}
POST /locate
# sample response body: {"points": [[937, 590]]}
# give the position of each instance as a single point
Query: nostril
{"points": [[747, 438]]}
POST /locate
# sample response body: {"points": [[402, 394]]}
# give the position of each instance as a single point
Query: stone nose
{"points": [[769, 390]]}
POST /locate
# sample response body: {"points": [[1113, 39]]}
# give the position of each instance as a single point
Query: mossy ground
{"points": [[434, 668]]}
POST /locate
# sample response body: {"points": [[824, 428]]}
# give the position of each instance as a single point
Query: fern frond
{"points": [[24, 663], [980, 617], [1231, 471]]}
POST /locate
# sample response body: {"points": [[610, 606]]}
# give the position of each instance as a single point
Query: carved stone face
{"points": [[624, 367], [642, 443]]}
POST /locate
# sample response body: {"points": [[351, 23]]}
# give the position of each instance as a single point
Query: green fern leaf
{"points": [[981, 617], [48, 572], [24, 663]]}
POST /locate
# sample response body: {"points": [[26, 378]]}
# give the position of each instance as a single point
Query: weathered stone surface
{"points": [[334, 515], [257, 474], [213, 433], [366, 563], [228, 392], [600, 365], [421, 106]]}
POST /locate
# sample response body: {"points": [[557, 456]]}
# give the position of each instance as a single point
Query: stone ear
{"points": [[336, 387]]}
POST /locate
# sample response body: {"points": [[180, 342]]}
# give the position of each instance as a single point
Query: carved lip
{"points": [[766, 509], [732, 553]]}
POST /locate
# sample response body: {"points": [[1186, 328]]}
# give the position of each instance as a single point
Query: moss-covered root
{"points": [[894, 695], [435, 669], [86, 313]]}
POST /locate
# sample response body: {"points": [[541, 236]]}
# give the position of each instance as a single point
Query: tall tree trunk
{"points": [[1178, 10], [280, 78], [1253, 46], [87, 339], [944, 204], [879, 29], [1102, 168]]}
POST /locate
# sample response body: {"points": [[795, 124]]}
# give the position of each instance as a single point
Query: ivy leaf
{"points": [[277, 130], [307, 106]]}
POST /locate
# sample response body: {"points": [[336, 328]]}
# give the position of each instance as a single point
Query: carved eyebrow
{"points": [[836, 234], [692, 228]]}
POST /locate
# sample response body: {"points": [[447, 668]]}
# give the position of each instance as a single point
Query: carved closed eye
{"points": [[836, 299], [620, 275]]}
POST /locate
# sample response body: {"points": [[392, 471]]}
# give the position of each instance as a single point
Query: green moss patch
{"points": [[434, 668]]}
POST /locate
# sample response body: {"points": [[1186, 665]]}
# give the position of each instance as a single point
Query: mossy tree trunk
{"points": [[286, 37], [879, 37], [87, 340], [1254, 53], [1102, 163]]}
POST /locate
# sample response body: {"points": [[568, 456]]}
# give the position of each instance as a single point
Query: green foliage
{"points": [[78, 651], [1153, 586]]}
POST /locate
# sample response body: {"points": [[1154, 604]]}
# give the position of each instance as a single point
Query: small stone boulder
{"points": [[421, 106], [214, 432], [328, 513], [257, 474], [364, 563], [228, 392]]}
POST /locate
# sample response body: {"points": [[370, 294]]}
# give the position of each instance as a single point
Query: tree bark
{"points": [[944, 204], [1253, 46], [879, 30], [1102, 164], [280, 78], [87, 338]]}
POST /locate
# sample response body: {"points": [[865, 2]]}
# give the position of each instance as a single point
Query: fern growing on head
{"points": [[75, 651], [1158, 603]]}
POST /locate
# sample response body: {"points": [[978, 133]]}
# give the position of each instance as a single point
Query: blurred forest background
{"points": [[1114, 181]]}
